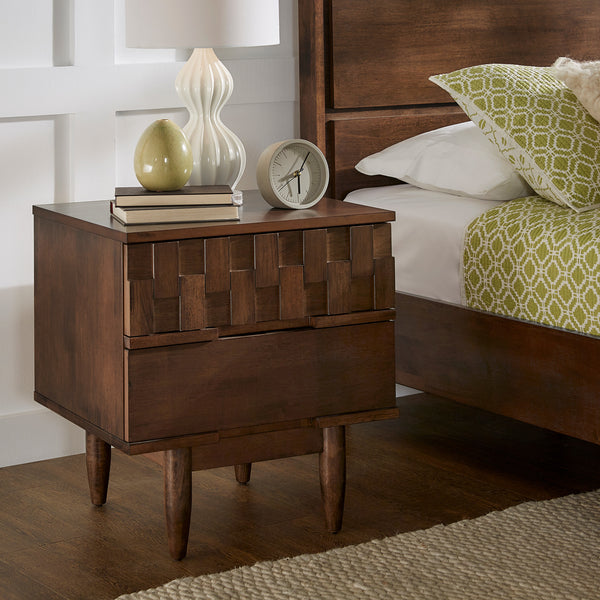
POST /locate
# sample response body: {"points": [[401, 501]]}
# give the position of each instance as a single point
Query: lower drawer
{"points": [[258, 379]]}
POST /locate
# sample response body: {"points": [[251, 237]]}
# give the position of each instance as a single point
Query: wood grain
{"points": [[169, 339], [315, 255], [339, 287], [267, 260], [178, 499], [139, 261], [139, 307], [98, 457], [242, 297], [267, 303], [384, 282], [257, 217], [291, 248], [498, 364], [243, 472], [218, 308], [166, 313], [193, 311], [166, 270], [338, 244], [67, 365], [257, 447], [169, 396], [292, 292], [440, 463], [355, 318], [438, 37], [382, 240], [316, 298], [361, 251], [284, 277], [362, 293], [217, 265], [191, 256], [241, 252], [332, 475], [312, 25]]}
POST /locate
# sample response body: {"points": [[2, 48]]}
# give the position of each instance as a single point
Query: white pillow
{"points": [[457, 159]]}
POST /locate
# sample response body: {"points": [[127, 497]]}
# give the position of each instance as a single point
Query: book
{"points": [[141, 215], [189, 194]]}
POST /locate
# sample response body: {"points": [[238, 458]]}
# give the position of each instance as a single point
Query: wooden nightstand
{"points": [[213, 344]]}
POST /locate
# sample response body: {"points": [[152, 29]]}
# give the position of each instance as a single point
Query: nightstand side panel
{"points": [[79, 324]]}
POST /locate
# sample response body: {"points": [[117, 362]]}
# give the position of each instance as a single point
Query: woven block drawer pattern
{"points": [[247, 279]]}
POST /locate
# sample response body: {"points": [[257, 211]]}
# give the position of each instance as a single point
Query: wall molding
{"points": [[125, 87]]}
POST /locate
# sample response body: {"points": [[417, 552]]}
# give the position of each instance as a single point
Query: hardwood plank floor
{"points": [[440, 462]]}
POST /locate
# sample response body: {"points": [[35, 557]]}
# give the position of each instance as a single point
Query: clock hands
{"points": [[288, 179], [296, 174], [302, 165], [301, 169]]}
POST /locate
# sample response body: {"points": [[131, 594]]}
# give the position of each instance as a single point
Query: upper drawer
{"points": [[251, 279]]}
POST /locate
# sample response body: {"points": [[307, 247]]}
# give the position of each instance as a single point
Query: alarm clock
{"points": [[292, 174]]}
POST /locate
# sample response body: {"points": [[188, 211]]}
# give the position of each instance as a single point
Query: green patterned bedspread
{"points": [[534, 260]]}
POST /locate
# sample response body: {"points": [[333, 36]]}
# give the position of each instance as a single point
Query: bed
{"points": [[364, 85]]}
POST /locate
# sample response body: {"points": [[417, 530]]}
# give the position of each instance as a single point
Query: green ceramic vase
{"points": [[163, 157]]}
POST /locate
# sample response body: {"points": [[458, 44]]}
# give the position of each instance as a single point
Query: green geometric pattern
{"points": [[539, 126], [533, 260]]}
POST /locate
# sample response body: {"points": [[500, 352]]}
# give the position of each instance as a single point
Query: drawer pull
{"points": [[169, 339], [371, 316]]}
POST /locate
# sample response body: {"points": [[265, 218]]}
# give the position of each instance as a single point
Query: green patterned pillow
{"points": [[539, 126]]}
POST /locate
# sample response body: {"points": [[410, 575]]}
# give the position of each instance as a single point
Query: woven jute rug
{"points": [[537, 550]]}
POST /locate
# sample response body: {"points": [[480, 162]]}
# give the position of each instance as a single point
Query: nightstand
{"points": [[213, 344]]}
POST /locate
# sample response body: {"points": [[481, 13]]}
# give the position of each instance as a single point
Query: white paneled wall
{"points": [[73, 103]]}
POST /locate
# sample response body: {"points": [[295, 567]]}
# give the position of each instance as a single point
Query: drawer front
{"points": [[248, 279], [259, 379]]}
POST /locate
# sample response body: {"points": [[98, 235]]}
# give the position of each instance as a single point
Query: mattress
{"points": [[427, 237]]}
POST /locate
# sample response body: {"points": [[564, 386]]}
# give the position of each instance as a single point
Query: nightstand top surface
{"points": [[256, 216]]}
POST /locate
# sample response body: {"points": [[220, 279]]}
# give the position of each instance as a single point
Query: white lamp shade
{"points": [[201, 23]]}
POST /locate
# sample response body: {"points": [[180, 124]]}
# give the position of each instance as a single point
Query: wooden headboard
{"points": [[364, 65]]}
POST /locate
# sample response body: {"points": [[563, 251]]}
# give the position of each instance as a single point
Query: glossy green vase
{"points": [[163, 157]]}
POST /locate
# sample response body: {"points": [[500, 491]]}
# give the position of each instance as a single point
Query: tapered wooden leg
{"points": [[97, 454], [332, 471], [242, 472], [178, 499]]}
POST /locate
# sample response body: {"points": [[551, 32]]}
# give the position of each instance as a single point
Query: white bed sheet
{"points": [[427, 236]]}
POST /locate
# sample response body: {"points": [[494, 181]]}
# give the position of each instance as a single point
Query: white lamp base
{"points": [[205, 85]]}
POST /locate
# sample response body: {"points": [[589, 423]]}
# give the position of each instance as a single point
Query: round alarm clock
{"points": [[292, 174]]}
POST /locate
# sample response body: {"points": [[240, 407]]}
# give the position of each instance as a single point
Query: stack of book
{"points": [[138, 206]]}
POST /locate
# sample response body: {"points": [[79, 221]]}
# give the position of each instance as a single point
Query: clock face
{"points": [[293, 174]]}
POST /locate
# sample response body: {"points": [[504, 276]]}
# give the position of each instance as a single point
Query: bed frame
{"points": [[364, 68]]}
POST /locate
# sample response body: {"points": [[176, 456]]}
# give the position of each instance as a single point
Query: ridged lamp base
{"points": [[205, 85]]}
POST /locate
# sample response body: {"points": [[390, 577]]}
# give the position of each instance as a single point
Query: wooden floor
{"points": [[437, 464]]}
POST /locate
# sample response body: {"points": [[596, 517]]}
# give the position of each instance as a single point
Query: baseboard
{"points": [[402, 390], [40, 435], [37, 435]]}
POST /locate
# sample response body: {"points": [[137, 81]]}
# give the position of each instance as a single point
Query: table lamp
{"points": [[204, 84]]}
